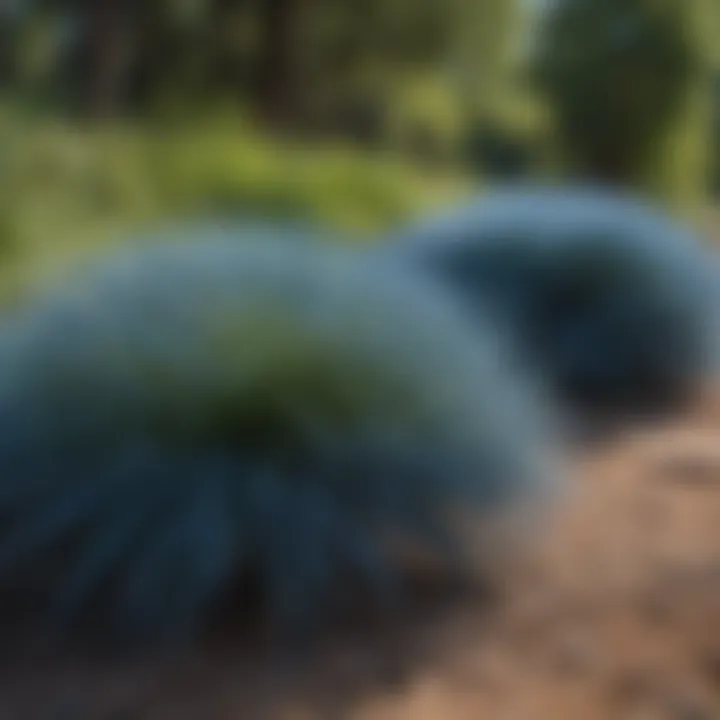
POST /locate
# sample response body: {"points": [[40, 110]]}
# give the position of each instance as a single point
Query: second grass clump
{"points": [[613, 303]]}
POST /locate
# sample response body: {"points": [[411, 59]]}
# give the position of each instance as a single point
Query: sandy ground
{"points": [[616, 616]]}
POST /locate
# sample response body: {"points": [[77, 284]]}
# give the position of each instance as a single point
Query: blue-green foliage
{"points": [[616, 304], [187, 413]]}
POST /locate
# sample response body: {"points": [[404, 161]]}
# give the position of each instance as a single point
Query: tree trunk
{"points": [[278, 67], [107, 54]]}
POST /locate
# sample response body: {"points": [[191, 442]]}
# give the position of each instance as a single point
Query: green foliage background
{"points": [[118, 116]]}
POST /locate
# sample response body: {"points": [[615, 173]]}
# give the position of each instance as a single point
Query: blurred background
{"points": [[118, 115], [122, 117]]}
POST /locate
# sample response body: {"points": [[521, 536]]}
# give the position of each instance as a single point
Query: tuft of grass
{"points": [[182, 416], [614, 303]]}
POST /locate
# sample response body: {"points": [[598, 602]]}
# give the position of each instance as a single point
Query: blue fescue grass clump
{"points": [[614, 303], [184, 415]]}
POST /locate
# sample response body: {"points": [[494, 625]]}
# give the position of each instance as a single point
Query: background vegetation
{"points": [[117, 115]]}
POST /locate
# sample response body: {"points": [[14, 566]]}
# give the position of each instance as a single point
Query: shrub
{"points": [[244, 172], [188, 415], [613, 302], [67, 190], [626, 83]]}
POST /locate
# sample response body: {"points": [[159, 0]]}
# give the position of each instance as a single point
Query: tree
{"points": [[621, 76], [106, 56], [333, 66]]}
